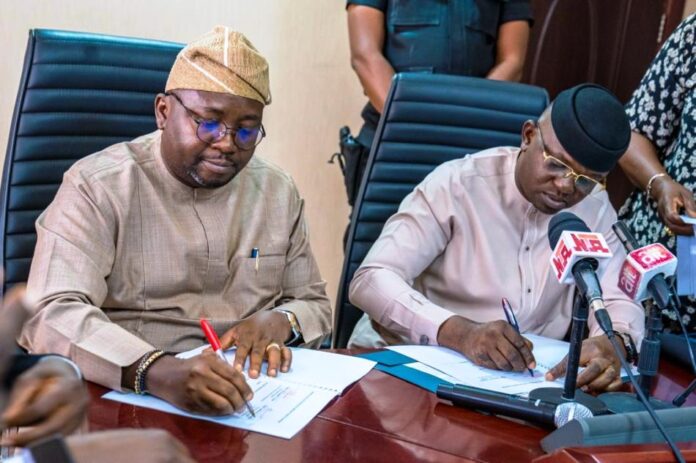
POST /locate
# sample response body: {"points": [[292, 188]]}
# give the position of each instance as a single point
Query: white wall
{"points": [[314, 89], [689, 7]]}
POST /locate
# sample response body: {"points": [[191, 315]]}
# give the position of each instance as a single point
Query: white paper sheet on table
{"points": [[283, 405], [547, 353]]}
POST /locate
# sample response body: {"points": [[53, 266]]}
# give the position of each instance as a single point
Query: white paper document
{"points": [[453, 367], [283, 405]]}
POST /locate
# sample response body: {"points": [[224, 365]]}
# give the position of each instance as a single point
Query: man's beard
{"points": [[207, 184]]}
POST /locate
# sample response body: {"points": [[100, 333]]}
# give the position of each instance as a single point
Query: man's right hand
{"points": [[493, 345], [202, 384], [127, 446], [46, 399]]}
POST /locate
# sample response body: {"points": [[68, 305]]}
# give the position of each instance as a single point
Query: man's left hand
{"points": [[260, 336], [602, 367], [50, 398]]}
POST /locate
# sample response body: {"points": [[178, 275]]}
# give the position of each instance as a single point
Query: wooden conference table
{"points": [[384, 419]]}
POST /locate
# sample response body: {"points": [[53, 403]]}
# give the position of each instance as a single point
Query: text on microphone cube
{"points": [[652, 255], [629, 278], [574, 246]]}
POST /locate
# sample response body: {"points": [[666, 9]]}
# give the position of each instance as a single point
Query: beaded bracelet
{"points": [[650, 182], [140, 372]]}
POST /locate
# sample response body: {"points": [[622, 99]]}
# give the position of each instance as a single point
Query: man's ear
{"points": [[162, 109], [527, 134]]}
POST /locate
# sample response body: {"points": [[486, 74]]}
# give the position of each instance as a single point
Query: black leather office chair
{"points": [[427, 119], [78, 93]]}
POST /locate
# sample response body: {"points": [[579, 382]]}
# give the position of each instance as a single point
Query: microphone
{"points": [[644, 272], [644, 275], [534, 411], [578, 254], [583, 272], [578, 257]]}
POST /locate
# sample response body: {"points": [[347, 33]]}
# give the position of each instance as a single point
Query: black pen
{"points": [[512, 320]]}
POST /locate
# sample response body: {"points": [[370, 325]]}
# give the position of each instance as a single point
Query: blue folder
{"points": [[394, 364]]}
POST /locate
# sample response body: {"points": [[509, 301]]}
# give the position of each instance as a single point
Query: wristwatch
{"points": [[629, 345], [296, 336]]}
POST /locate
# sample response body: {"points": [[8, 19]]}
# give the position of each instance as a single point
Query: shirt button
{"points": [[424, 340], [529, 290], [526, 248]]}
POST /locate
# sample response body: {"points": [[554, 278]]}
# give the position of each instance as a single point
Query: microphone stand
{"points": [[649, 358], [648, 361], [644, 400], [676, 305], [569, 392]]}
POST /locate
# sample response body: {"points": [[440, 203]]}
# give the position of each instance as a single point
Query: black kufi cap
{"points": [[591, 125]]}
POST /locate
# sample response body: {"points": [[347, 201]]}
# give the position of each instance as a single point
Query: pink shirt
{"points": [[465, 238]]}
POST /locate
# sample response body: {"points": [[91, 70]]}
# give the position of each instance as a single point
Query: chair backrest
{"points": [[78, 94], [428, 119]]}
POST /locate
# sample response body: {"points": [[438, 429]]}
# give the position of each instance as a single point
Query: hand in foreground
{"points": [[50, 398], [260, 336], [671, 198], [493, 345], [602, 367], [127, 446], [202, 384], [12, 313]]}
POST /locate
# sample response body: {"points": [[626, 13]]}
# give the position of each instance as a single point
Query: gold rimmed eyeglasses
{"points": [[583, 183]]}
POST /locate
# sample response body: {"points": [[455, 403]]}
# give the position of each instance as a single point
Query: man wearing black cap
{"points": [[474, 231]]}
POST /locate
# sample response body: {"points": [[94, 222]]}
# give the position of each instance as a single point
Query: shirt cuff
{"points": [[104, 353], [72, 364], [427, 318]]}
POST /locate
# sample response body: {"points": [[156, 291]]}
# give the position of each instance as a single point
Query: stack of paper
{"points": [[284, 404], [454, 368]]}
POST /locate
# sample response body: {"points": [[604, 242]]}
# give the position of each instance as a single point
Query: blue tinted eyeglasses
{"points": [[212, 131]]}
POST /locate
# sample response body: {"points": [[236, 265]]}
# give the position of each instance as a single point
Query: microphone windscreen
{"points": [[564, 221], [567, 411]]}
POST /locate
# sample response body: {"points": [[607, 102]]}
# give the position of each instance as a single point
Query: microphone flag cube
{"points": [[574, 246], [641, 266]]}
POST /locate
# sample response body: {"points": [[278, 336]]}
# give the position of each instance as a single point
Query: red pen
{"points": [[214, 341]]}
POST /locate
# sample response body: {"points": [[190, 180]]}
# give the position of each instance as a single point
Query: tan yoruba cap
{"points": [[222, 61]]}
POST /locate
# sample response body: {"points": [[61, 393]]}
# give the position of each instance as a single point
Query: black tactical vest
{"points": [[441, 36]]}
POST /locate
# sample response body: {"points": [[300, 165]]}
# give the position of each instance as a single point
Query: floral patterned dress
{"points": [[663, 109]]}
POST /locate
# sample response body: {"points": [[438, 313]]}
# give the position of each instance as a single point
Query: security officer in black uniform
{"points": [[483, 38]]}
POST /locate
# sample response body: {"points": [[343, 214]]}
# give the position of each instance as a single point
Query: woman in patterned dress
{"points": [[660, 161]]}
